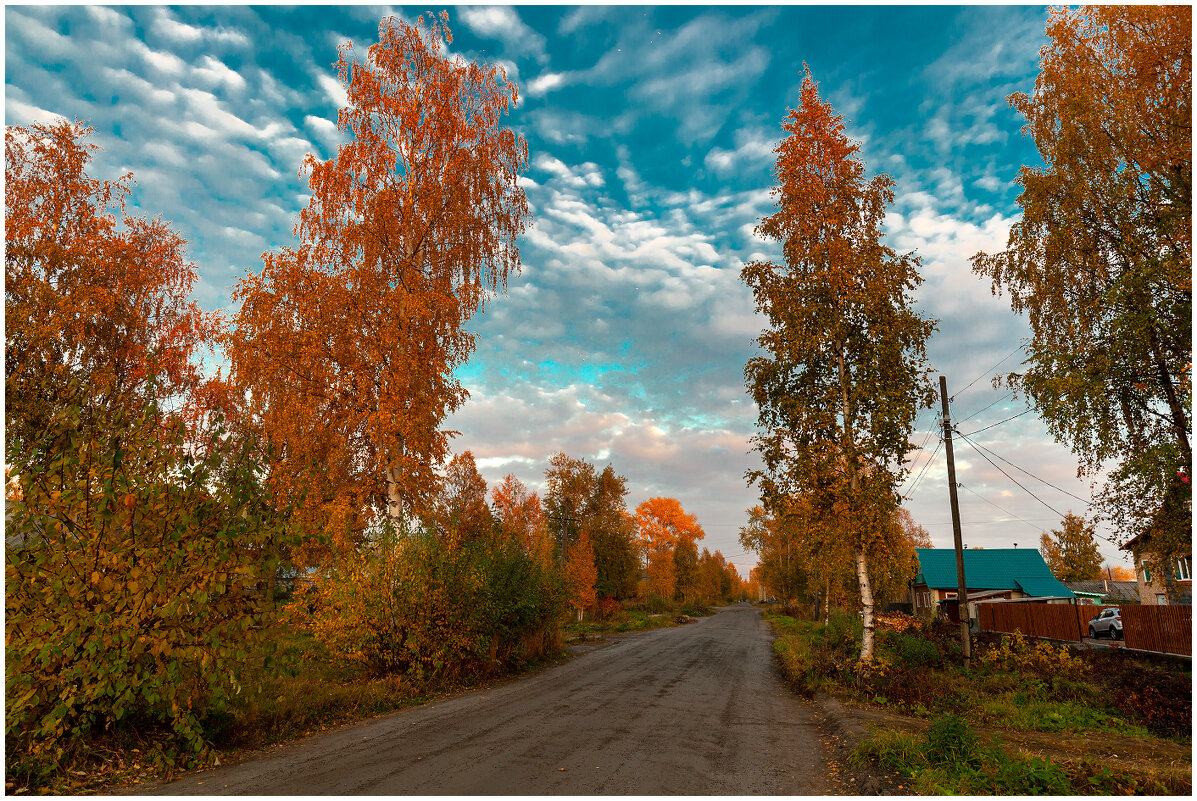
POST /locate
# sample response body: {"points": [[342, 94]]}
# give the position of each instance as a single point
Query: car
{"points": [[1109, 622]]}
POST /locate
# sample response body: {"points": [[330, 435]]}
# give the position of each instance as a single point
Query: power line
{"points": [[1029, 473], [999, 400], [1007, 475], [915, 483], [1000, 509], [960, 392], [995, 425]]}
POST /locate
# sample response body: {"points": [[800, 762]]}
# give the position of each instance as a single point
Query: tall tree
{"points": [[580, 574], [662, 527], [89, 291], [843, 372], [1101, 260], [347, 342], [578, 498], [1071, 550], [462, 511], [521, 518]]}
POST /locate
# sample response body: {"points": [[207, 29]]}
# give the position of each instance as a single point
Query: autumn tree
{"points": [[1101, 259], [578, 498], [1118, 572], [346, 343], [462, 512], [662, 527], [141, 547], [521, 518], [88, 290], [1071, 550], [843, 371], [580, 573], [781, 559]]}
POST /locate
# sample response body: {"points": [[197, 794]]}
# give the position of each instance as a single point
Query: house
{"points": [[991, 573], [1154, 590], [1105, 592]]}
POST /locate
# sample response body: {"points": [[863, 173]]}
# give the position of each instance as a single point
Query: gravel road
{"points": [[698, 709]]}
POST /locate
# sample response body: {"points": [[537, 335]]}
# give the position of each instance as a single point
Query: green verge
{"points": [[1015, 686]]}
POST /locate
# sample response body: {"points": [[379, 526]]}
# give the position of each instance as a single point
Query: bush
{"points": [[950, 742], [139, 573], [413, 603], [606, 608]]}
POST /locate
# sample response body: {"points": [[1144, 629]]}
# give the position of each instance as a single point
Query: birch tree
{"points": [[843, 367]]}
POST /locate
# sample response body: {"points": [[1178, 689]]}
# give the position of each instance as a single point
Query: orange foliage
{"points": [[661, 526], [348, 341], [87, 288], [462, 512], [580, 573], [521, 518], [1119, 573]]}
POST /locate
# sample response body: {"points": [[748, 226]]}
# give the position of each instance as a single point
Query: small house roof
{"points": [[1021, 569], [1112, 591]]}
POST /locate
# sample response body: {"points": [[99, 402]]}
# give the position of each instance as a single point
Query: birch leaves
{"points": [[844, 369], [348, 340]]}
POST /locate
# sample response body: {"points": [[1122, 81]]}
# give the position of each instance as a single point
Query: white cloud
{"points": [[543, 84], [333, 89], [167, 26], [214, 72], [504, 24]]}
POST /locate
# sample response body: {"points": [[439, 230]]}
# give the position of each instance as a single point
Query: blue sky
{"points": [[650, 134]]}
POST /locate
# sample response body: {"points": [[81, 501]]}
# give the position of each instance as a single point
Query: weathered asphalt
{"points": [[698, 710]]}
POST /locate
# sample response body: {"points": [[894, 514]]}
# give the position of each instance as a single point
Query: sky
{"points": [[650, 133]]}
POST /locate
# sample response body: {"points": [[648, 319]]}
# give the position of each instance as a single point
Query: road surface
{"points": [[698, 709]]}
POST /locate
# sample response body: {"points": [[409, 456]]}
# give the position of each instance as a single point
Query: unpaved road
{"points": [[698, 709]]}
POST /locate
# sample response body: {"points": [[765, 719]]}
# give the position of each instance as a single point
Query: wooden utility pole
{"points": [[962, 591]]}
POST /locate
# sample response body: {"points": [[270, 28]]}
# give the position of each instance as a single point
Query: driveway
{"points": [[698, 709]]}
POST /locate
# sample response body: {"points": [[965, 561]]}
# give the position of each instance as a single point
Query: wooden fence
{"points": [[1159, 628], [1167, 629]]}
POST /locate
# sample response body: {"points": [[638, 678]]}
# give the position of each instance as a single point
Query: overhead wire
{"points": [[1029, 473], [960, 392], [1000, 509], [999, 400], [995, 425], [915, 483], [1010, 477]]}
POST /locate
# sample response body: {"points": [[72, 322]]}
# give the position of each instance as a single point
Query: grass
{"points": [[303, 691], [1015, 687]]}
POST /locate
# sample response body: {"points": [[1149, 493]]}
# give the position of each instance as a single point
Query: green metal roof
{"points": [[1021, 569]]}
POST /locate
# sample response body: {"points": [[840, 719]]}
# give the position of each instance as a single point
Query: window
{"points": [[1146, 575], [1184, 571], [1161, 600]]}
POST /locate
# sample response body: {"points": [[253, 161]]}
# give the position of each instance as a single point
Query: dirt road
{"points": [[697, 709]]}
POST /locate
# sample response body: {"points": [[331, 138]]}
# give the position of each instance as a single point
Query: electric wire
{"points": [[995, 425], [960, 392], [1003, 511], [914, 485], [1029, 473], [1007, 475], [923, 449], [999, 400]]}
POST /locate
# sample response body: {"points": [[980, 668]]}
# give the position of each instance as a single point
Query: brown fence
{"points": [[1159, 628], [1167, 629]]}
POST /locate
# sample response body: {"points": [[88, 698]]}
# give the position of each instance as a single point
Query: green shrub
{"points": [[414, 603], [951, 742], [142, 576], [914, 651]]}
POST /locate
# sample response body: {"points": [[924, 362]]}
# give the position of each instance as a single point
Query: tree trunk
{"points": [[866, 603], [395, 508]]}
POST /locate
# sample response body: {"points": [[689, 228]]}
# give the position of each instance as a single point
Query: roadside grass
{"points": [[301, 689], [1015, 686], [631, 616]]}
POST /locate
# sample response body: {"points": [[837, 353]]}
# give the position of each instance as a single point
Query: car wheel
{"points": [[1115, 634]]}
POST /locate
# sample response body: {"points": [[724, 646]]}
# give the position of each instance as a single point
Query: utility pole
{"points": [[962, 591]]}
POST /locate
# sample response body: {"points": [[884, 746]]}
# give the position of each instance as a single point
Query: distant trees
{"points": [[1101, 260], [1071, 550], [667, 535], [843, 370]]}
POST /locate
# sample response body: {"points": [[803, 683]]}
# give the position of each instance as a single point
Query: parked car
{"points": [[1109, 623]]}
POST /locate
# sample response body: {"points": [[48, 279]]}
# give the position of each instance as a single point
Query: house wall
{"points": [[1154, 592]]}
